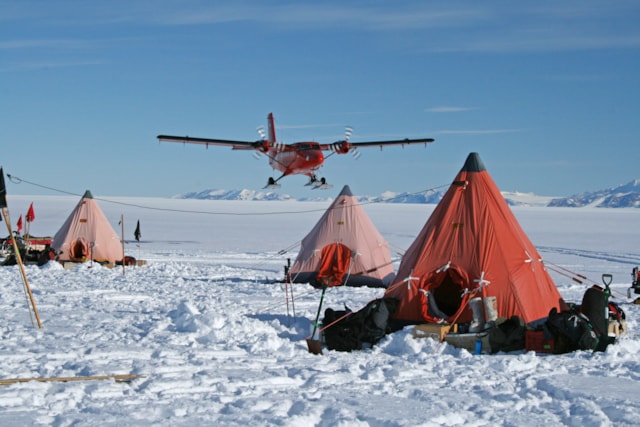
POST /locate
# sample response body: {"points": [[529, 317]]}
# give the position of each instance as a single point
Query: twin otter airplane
{"points": [[300, 158]]}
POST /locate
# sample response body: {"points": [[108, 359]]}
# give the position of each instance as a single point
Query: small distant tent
{"points": [[344, 248], [87, 235], [472, 239]]}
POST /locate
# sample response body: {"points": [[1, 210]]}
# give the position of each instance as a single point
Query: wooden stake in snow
{"points": [[5, 215], [120, 378], [122, 222]]}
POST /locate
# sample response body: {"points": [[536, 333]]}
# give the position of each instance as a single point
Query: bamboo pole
{"points": [[122, 240], [119, 378], [22, 271]]}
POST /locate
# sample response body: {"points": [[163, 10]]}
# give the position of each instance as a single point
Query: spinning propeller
{"points": [[343, 147], [348, 131], [262, 134]]}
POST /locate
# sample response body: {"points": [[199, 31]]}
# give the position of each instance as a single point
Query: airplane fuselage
{"points": [[302, 158]]}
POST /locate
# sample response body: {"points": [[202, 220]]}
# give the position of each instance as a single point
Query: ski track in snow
{"points": [[630, 259], [216, 344]]}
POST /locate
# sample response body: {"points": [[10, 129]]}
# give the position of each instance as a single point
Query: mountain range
{"points": [[622, 196]]}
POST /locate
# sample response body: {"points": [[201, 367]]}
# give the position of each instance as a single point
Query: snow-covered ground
{"points": [[216, 344]]}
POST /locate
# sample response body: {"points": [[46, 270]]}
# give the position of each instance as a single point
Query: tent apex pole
{"points": [[122, 222]]}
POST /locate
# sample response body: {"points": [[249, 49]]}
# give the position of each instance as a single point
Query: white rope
{"points": [[444, 267], [409, 279], [482, 282]]}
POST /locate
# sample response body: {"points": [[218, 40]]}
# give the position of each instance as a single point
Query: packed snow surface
{"points": [[214, 342]]}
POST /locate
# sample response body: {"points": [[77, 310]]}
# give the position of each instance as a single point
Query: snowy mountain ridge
{"points": [[623, 196]]}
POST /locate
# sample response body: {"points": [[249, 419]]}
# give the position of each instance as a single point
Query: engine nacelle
{"points": [[262, 146], [341, 147]]}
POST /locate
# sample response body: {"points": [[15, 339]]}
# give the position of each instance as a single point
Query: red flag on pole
{"points": [[30, 214], [19, 224]]}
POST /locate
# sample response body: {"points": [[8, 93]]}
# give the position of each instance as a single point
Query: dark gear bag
{"points": [[368, 325], [571, 331], [508, 335]]}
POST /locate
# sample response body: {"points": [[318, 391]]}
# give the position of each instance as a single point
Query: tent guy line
{"points": [[577, 277], [16, 180]]}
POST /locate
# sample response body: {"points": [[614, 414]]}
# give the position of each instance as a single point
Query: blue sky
{"points": [[547, 92]]}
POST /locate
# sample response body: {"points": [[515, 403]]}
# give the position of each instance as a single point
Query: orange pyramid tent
{"points": [[87, 235], [344, 248], [472, 245]]}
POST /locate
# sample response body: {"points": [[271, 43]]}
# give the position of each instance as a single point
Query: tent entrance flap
{"points": [[448, 296], [79, 249], [334, 264], [445, 296]]}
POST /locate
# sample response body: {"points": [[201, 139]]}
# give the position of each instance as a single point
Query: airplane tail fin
{"points": [[272, 128]]}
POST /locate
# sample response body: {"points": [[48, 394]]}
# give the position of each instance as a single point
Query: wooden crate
{"points": [[431, 330]]}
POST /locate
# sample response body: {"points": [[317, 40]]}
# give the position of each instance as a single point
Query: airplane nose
{"points": [[315, 157]]}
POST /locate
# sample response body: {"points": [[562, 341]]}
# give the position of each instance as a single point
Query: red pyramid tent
{"points": [[344, 248], [472, 238], [87, 235]]}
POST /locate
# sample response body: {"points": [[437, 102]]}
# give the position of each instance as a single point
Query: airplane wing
{"points": [[235, 145], [345, 146], [380, 144]]}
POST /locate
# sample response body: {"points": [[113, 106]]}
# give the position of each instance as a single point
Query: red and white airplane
{"points": [[300, 158]]}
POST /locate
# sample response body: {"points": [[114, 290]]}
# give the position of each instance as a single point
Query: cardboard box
{"points": [[431, 330], [617, 328]]}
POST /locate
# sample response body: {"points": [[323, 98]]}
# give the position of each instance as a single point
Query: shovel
{"points": [[314, 344], [606, 279]]}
